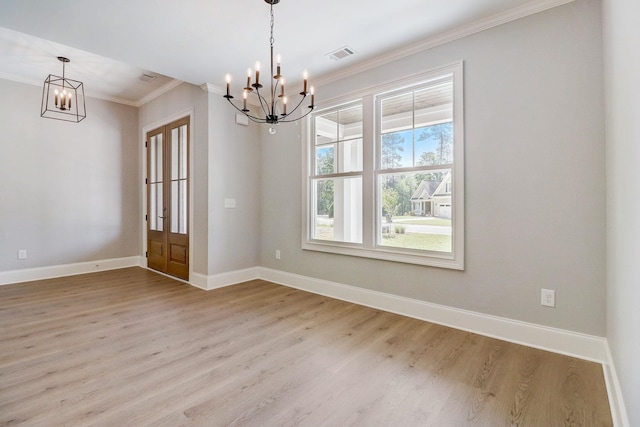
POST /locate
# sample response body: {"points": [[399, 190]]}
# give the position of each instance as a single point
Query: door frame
{"points": [[143, 186]]}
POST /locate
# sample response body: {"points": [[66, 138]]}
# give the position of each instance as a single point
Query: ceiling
{"points": [[112, 44]]}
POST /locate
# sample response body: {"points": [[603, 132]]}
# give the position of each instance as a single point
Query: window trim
{"points": [[371, 197]]}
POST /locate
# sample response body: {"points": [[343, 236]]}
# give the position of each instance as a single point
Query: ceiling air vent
{"points": [[341, 53], [146, 77]]}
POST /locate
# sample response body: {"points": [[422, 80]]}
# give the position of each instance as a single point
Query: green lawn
{"points": [[421, 220], [429, 242]]}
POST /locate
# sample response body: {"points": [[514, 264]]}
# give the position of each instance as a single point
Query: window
{"points": [[337, 175], [384, 173]]}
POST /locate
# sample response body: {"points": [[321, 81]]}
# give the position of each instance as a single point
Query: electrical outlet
{"points": [[22, 254], [548, 298], [277, 253]]}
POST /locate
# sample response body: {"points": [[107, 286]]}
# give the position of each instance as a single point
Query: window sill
{"points": [[431, 259]]}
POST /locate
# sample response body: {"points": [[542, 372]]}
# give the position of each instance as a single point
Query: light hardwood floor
{"points": [[133, 348]]}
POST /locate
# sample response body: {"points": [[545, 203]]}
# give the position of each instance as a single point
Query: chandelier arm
{"points": [[253, 118], [275, 90], [297, 118], [296, 107], [264, 104]]}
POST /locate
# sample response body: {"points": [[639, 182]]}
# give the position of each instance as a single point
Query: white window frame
{"points": [[371, 199]]}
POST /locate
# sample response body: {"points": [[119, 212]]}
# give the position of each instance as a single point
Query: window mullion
{"points": [[369, 203]]}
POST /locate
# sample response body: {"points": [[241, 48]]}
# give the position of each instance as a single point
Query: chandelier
{"points": [[274, 104], [63, 98]]}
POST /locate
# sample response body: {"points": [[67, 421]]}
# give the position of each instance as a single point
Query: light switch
{"points": [[230, 203]]}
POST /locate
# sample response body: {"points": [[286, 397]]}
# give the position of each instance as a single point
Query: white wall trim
{"points": [[221, 280], [531, 8], [53, 271], [614, 391], [560, 341], [158, 92]]}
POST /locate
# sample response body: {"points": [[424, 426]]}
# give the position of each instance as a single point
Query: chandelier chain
{"points": [[271, 40]]}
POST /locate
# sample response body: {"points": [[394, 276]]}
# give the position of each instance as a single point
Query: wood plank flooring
{"points": [[134, 348]]}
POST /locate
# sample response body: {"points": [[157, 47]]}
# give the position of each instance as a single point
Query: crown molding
{"points": [[156, 93], [211, 88], [514, 14], [132, 103]]}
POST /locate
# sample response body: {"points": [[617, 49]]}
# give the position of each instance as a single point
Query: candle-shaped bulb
{"points": [[281, 86], [284, 103], [257, 73], [312, 96], [244, 99], [278, 58], [248, 78], [228, 79], [305, 75]]}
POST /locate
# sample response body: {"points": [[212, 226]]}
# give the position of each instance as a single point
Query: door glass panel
{"points": [[182, 223], [183, 152], [174, 206], [156, 158], [179, 206], [155, 205], [179, 152], [179, 179], [155, 183]]}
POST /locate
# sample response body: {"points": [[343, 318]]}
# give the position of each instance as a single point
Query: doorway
{"points": [[168, 199]]}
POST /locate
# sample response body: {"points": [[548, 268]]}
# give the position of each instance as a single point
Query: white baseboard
{"points": [[560, 341], [614, 391], [556, 340], [50, 272], [223, 279]]}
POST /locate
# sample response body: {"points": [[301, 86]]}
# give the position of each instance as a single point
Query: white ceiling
{"points": [[111, 43]]}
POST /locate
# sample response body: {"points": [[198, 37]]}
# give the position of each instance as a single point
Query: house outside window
{"points": [[384, 172]]}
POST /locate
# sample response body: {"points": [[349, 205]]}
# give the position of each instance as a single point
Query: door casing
{"points": [[167, 182]]}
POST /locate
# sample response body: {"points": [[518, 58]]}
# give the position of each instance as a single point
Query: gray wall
{"points": [[234, 173], [535, 177], [621, 36], [68, 191]]}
